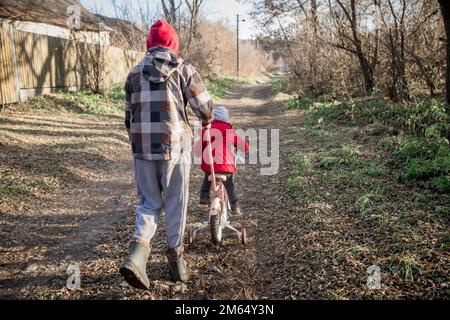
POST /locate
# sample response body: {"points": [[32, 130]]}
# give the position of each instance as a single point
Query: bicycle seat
{"points": [[218, 177]]}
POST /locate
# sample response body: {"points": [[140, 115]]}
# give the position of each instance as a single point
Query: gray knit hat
{"points": [[221, 114]]}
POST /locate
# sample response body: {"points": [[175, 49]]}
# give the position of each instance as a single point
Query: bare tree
{"points": [[147, 14], [297, 23], [445, 10], [344, 46], [194, 10], [423, 44], [170, 8], [352, 43], [395, 30]]}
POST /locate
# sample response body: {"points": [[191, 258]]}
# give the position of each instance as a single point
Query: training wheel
{"points": [[244, 239]]}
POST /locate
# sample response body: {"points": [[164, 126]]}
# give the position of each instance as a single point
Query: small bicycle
{"points": [[218, 219]]}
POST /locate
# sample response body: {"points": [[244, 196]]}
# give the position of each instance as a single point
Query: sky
{"points": [[212, 10]]}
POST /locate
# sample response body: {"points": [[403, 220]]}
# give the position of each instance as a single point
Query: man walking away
{"points": [[158, 91]]}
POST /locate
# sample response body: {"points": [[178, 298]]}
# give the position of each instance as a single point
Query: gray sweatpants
{"points": [[162, 185]]}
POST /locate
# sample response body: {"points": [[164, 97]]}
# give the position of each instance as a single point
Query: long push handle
{"points": [[211, 162]]}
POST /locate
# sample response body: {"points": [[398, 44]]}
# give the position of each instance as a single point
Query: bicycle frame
{"points": [[219, 205], [211, 161]]}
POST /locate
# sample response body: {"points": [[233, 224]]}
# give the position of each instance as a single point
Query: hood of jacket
{"points": [[221, 125], [159, 63]]}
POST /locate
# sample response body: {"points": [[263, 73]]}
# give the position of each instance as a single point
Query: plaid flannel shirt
{"points": [[158, 91]]}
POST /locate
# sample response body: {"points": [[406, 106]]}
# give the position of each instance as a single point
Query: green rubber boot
{"points": [[134, 268], [177, 265]]}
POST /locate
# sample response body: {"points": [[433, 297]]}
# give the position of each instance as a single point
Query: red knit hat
{"points": [[164, 35]]}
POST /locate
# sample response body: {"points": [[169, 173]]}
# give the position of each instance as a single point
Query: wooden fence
{"points": [[33, 64], [8, 86]]}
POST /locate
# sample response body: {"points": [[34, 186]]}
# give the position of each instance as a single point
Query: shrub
{"points": [[415, 148], [426, 159], [442, 184], [277, 86], [300, 104], [328, 163], [418, 117], [423, 156]]}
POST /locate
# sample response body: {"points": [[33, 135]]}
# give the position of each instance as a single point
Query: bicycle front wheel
{"points": [[216, 222], [216, 229]]}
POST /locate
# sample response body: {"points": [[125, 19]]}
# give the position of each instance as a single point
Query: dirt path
{"points": [[306, 239], [88, 224]]}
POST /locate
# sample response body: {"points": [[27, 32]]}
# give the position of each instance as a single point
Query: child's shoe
{"points": [[236, 209], [204, 200]]}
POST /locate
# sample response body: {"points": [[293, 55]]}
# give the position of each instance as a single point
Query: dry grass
{"points": [[347, 211]]}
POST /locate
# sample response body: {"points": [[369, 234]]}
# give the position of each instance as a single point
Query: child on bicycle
{"points": [[224, 142]]}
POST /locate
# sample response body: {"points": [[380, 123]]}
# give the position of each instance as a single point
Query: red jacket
{"points": [[224, 141]]}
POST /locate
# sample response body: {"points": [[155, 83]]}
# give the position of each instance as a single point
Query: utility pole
{"points": [[237, 48], [237, 44]]}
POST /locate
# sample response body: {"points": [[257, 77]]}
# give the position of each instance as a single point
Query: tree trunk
{"points": [[313, 48], [194, 10], [445, 10], [314, 18], [367, 69], [170, 12]]}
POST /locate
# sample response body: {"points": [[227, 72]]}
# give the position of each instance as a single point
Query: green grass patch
{"points": [[317, 133], [277, 86], [296, 181], [111, 102], [300, 104], [343, 156], [386, 168], [416, 117], [116, 92], [425, 159], [370, 200], [357, 251], [422, 155], [328, 163], [406, 266], [293, 182], [372, 168], [302, 163], [219, 87]]}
